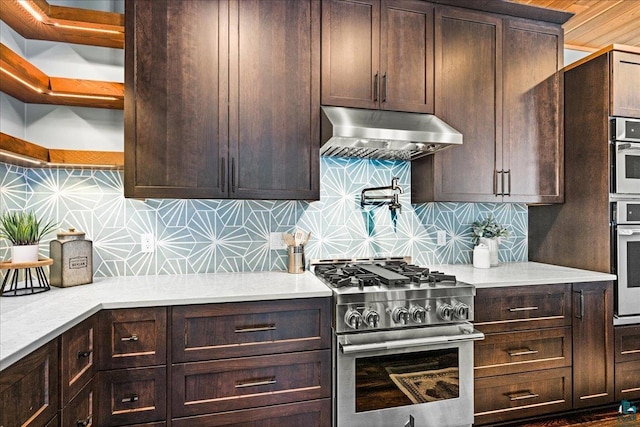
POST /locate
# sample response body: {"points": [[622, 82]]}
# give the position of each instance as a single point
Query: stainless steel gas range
{"points": [[403, 344]]}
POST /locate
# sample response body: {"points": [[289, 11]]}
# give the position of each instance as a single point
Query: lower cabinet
{"points": [[547, 348], [627, 358], [81, 410]]}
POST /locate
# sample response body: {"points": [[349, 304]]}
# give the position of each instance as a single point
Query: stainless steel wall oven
{"points": [[627, 257], [625, 159]]}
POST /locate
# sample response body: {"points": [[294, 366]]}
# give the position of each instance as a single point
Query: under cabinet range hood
{"points": [[379, 134]]}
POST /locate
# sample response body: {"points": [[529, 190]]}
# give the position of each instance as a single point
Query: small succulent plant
{"points": [[23, 228], [487, 228]]}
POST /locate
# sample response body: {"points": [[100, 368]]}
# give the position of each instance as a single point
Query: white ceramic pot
{"points": [[25, 253], [481, 256], [493, 244]]}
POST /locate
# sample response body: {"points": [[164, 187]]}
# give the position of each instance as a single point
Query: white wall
{"points": [[571, 56]]}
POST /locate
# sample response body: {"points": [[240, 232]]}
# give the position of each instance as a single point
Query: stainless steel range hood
{"points": [[378, 134]]}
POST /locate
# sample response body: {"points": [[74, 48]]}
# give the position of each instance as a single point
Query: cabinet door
{"points": [[29, 389], [468, 89], [274, 108], [406, 56], [593, 345], [533, 112], [82, 410], [625, 78], [350, 53], [78, 357], [174, 143]]}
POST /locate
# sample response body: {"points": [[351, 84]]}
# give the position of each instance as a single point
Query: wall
{"points": [[195, 236]]}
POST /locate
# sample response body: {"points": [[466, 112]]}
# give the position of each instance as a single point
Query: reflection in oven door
{"points": [[405, 378], [628, 265], [627, 167]]}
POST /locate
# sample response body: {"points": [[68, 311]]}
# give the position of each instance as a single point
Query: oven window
{"points": [[406, 379], [632, 166], [633, 268]]}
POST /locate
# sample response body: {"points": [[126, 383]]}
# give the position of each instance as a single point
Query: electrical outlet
{"points": [[146, 241], [276, 242], [442, 237]]}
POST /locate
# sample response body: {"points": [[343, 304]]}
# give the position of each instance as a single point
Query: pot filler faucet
{"points": [[394, 203]]}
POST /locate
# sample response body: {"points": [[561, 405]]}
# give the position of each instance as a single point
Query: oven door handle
{"points": [[415, 342], [628, 146], [628, 231]]}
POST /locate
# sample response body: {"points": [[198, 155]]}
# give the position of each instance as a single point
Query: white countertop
{"points": [[28, 322], [520, 273]]}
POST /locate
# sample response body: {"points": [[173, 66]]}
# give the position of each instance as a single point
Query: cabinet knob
{"points": [[84, 423], [82, 354]]}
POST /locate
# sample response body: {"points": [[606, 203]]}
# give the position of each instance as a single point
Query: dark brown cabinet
{"points": [[498, 83], [82, 409], [79, 358], [223, 100], [378, 54], [29, 389], [627, 357]]}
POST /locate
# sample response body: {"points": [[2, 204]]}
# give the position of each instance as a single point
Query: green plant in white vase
{"points": [[489, 232], [24, 231]]}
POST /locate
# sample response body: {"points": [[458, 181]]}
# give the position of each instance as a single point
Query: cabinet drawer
{"points": [[29, 389], [316, 413], [627, 343], [135, 395], [513, 352], [81, 411], [523, 307], [219, 331], [509, 397], [628, 380], [133, 337], [78, 357], [225, 385]]}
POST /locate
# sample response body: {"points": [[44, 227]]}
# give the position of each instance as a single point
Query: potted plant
{"points": [[489, 232], [24, 231]]}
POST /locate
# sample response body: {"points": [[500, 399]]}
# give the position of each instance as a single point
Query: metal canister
{"points": [[72, 259]]}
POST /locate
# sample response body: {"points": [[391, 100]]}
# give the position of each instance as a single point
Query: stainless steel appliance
{"points": [[403, 344], [627, 256], [625, 134]]}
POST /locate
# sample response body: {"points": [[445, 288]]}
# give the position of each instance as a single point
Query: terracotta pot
{"points": [[24, 253]]}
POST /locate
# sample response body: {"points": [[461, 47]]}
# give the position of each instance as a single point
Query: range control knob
{"points": [[461, 311], [445, 311], [418, 314], [400, 315], [353, 318], [371, 317]]}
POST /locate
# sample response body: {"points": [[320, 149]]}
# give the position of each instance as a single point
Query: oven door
{"points": [[628, 295], [627, 167], [420, 377]]}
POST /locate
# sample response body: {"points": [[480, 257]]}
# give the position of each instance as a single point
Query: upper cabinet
{"points": [[498, 82], [222, 101], [625, 75], [378, 54]]}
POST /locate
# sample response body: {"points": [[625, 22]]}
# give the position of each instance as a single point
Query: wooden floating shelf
{"points": [[24, 153], [64, 24], [27, 83]]}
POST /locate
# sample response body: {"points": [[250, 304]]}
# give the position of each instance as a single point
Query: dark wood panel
{"points": [[316, 413], [627, 381], [565, 234], [533, 114], [174, 146], [218, 331], [274, 103], [350, 53], [78, 357], [513, 352], [83, 407], [229, 384], [509, 397], [133, 337], [406, 56], [29, 389], [627, 343], [522, 307], [625, 77], [593, 344]]}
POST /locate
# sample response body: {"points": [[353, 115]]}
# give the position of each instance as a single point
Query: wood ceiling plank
{"points": [[601, 23], [625, 29]]}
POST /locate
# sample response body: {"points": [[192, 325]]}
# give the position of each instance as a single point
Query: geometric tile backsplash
{"points": [[195, 236]]}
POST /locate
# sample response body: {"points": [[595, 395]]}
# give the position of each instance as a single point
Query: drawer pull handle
{"points": [[129, 399], [133, 337], [522, 353], [515, 397], [84, 423], [630, 351], [270, 381], [523, 309], [256, 329], [82, 354]]}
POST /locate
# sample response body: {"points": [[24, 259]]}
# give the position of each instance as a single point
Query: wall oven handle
{"points": [[416, 342], [628, 146], [628, 231]]}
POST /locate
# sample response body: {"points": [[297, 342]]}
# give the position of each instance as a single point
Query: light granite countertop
{"points": [[28, 322], [520, 273]]}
